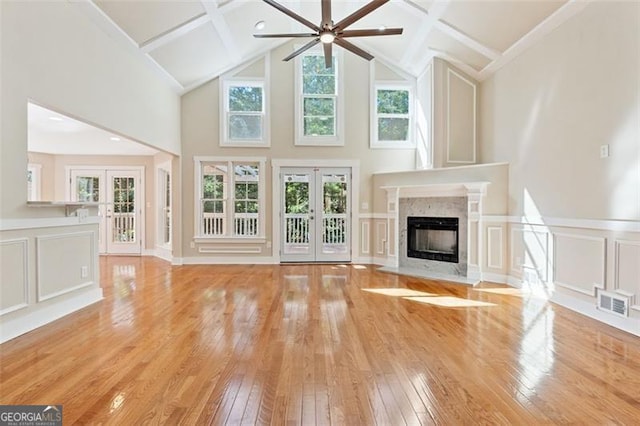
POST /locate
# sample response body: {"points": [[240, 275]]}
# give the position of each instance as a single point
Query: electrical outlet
{"points": [[604, 151], [84, 272], [268, 244], [192, 245]]}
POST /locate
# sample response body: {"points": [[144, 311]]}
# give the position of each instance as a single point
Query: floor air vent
{"points": [[614, 303]]}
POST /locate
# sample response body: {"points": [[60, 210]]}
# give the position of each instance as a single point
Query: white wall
{"points": [[200, 136], [54, 56], [573, 227], [548, 112]]}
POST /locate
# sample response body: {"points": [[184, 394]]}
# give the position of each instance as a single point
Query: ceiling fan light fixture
{"points": [[382, 27], [327, 37]]}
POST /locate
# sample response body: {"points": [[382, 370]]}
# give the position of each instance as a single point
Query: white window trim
{"points": [[199, 162], [410, 143], [301, 139], [225, 84]]}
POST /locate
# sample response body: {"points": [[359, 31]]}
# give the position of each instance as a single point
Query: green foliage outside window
{"points": [[392, 107], [319, 96]]}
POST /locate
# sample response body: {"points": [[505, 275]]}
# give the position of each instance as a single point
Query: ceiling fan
{"points": [[329, 33]]}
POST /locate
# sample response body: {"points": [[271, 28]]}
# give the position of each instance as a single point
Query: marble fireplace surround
{"points": [[462, 200]]}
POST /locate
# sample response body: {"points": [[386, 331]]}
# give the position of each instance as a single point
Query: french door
{"points": [[118, 192], [316, 215]]}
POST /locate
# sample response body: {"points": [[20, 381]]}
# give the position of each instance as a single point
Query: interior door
{"points": [[118, 192], [89, 186], [316, 215], [123, 212]]}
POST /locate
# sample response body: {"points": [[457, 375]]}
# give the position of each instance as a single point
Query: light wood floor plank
{"points": [[304, 344]]}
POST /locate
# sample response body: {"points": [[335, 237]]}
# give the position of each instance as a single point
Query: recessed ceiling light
{"points": [[382, 27], [54, 118], [260, 25], [114, 138]]}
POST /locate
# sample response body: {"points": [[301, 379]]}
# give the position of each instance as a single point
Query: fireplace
{"points": [[433, 238]]}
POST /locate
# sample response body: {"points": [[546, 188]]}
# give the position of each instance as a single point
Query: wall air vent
{"points": [[614, 303]]}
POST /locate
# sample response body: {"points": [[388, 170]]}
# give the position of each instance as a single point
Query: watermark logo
{"points": [[30, 415]]}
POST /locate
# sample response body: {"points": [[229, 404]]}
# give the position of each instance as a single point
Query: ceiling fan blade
{"points": [[292, 14], [326, 13], [328, 55], [302, 49], [297, 35], [364, 10], [353, 48], [370, 33]]}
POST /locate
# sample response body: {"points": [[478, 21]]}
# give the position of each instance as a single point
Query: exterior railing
{"points": [[297, 229], [244, 224], [124, 227]]}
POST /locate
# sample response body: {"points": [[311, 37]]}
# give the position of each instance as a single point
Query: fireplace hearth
{"points": [[433, 238]]}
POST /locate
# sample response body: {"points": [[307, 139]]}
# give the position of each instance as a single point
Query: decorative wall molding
{"points": [[365, 216], [542, 239], [381, 237], [450, 73], [494, 239], [602, 225], [48, 222], [230, 250], [23, 245], [365, 238], [620, 285], [40, 272], [227, 260], [579, 268]]}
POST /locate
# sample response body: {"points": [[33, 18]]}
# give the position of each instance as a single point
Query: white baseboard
{"points": [[42, 315], [495, 278], [630, 325]]}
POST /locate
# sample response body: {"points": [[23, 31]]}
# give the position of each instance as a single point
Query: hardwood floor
{"points": [[305, 344]]}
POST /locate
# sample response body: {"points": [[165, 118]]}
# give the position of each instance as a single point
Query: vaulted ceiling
{"points": [[189, 42]]}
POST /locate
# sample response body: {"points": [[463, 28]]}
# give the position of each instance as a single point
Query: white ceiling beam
{"points": [[429, 21], [106, 24], [468, 41], [459, 63], [222, 28], [553, 21], [175, 33]]}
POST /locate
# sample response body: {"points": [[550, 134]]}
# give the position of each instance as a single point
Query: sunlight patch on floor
{"points": [[399, 292], [450, 302], [506, 291]]}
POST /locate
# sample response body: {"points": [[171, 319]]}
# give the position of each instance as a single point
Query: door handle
{"points": [[311, 217]]}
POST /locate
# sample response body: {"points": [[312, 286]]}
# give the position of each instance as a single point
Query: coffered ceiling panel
{"points": [[144, 20], [498, 24], [189, 42], [194, 56]]}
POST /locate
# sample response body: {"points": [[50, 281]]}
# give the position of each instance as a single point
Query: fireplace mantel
{"points": [[461, 189], [473, 191]]}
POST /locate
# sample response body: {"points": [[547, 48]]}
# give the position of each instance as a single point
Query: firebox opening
{"points": [[433, 238]]}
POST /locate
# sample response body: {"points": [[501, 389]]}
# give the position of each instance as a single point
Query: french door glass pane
{"points": [[88, 188], [334, 213], [123, 210]]}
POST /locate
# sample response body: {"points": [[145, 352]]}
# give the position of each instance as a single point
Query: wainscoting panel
{"points": [[579, 262], [495, 248], [365, 238], [381, 238], [64, 263], [14, 275], [530, 251], [627, 269]]}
